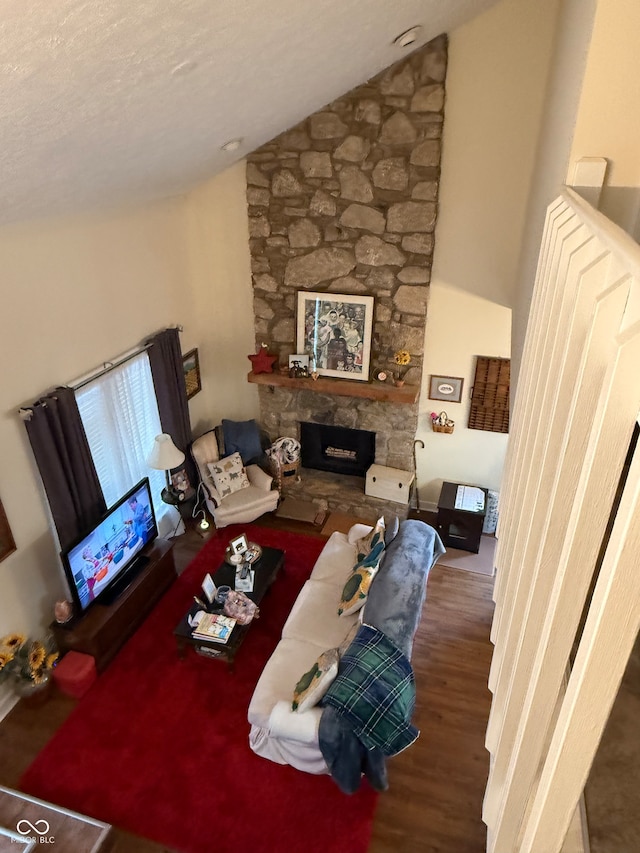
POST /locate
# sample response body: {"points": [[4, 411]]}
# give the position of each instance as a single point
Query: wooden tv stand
{"points": [[104, 628]]}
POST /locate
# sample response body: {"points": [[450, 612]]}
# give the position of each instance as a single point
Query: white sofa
{"points": [[313, 626], [394, 607]]}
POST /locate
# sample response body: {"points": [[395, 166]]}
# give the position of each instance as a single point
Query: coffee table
{"points": [[266, 571]]}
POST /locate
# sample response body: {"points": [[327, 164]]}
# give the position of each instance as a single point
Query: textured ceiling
{"points": [[127, 100]]}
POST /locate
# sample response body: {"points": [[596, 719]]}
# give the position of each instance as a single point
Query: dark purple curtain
{"points": [[165, 357], [64, 460]]}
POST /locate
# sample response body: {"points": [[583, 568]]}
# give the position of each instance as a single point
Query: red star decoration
{"points": [[262, 362]]}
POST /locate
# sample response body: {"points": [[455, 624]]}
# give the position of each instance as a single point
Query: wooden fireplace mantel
{"points": [[382, 391]]}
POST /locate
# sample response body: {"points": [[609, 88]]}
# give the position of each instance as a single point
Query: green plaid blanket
{"points": [[375, 690]]}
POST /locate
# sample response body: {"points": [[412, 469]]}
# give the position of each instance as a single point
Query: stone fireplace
{"points": [[346, 203]]}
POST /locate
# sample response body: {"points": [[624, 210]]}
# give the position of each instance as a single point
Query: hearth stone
{"points": [[341, 494]]}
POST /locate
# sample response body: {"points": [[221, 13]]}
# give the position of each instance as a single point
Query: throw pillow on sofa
{"points": [[372, 559], [365, 545], [229, 475], [356, 589], [315, 682], [391, 530]]}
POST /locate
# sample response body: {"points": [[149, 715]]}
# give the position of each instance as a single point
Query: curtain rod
{"points": [[107, 367], [111, 365], [25, 411]]}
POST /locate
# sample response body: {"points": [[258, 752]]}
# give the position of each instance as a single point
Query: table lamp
{"points": [[165, 456]]}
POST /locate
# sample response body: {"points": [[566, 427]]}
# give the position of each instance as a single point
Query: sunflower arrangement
{"points": [[402, 358], [27, 660]]}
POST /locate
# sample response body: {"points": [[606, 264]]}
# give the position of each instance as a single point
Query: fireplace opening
{"points": [[340, 450]]}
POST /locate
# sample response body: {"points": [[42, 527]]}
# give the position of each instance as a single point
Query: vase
{"points": [[63, 611], [33, 695]]}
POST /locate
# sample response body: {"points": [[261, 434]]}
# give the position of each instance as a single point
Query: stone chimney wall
{"points": [[346, 202]]}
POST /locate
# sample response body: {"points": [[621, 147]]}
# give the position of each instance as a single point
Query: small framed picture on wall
{"points": [[191, 368], [7, 542], [447, 388]]}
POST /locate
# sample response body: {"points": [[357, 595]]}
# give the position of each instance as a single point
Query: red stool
{"points": [[75, 674]]}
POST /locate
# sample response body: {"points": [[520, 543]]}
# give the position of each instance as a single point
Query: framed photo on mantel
{"points": [[335, 330]]}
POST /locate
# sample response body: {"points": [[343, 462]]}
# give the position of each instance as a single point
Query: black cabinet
{"points": [[461, 528]]}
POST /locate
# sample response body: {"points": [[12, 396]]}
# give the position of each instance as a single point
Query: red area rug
{"points": [[159, 746]]}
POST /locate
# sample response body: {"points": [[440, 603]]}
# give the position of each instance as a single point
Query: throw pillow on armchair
{"points": [[229, 475], [243, 437]]}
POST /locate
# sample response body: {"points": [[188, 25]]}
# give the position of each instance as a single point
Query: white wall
{"points": [[220, 283], [573, 34], [608, 119], [496, 81], [467, 326], [498, 66], [76, 293], [592, 110]]}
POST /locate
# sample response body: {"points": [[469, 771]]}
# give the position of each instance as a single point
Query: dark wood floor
{"points": [[434, 800]]}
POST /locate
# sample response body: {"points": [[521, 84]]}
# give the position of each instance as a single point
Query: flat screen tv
{"points": [[105, 558]]}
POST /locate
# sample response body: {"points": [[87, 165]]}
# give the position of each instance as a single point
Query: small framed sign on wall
{"points": [[446, 388]]}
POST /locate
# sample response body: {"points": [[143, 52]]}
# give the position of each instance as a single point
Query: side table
{"points": [[187, 508], [461, 527]]}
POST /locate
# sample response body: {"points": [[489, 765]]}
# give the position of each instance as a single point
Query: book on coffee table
{"points": [[214, 626]]}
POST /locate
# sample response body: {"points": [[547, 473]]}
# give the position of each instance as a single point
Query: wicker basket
{"points": [[282, 473], [437, 426]]}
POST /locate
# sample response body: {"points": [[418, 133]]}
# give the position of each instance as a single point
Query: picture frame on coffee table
{"points": [[335, 330], [238, 545], [209, 588]]}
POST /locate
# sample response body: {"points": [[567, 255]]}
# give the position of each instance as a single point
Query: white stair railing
{"points": [[576, 405]]}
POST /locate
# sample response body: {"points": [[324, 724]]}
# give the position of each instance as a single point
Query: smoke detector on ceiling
{"points": [[232, 144], [408, 37], [183, 68]]}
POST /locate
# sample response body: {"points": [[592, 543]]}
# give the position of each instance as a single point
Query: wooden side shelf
{"points": [[103, 629], [342, 387]]}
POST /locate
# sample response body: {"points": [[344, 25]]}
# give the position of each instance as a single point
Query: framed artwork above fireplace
{"points": [[335, 331]]}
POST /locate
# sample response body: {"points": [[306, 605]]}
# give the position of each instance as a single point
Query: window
{"points": [[120, 417]]}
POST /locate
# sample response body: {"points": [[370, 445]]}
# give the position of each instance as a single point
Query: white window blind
{"points": [[120, 416]]}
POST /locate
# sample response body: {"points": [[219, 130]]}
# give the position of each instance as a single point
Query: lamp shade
{"points": [[164, 455]]}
